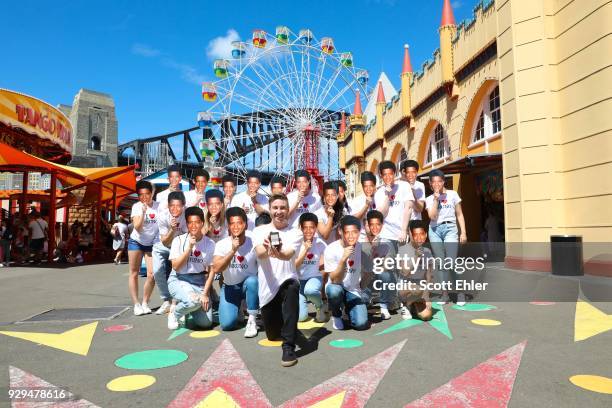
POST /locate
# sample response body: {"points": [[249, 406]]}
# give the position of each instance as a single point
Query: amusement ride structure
{"points": [[276, 106]]}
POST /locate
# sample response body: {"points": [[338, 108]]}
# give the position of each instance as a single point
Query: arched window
{"points": [[489, 119], [438, 147], [95, 143], [402, 158]]}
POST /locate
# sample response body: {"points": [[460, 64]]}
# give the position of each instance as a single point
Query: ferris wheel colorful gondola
{"points": [[305, 36], [327, 45], [282, 34], [259, 38], [221, 66], [362, 77], [346, 58], [238, 49], [209, 91], [204, 120]]}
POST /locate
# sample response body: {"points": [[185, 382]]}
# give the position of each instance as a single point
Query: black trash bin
{"points": [[566, 255]]}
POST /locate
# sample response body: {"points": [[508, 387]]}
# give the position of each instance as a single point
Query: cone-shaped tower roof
{"points": [[406, 66], [357, 110], [447, 14]]}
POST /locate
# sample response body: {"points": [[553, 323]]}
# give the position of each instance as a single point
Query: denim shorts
{"points": [[134, 245]]}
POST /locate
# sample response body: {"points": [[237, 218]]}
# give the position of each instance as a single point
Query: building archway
{"points": [[482, 128], [434, 148], [95, 143]]}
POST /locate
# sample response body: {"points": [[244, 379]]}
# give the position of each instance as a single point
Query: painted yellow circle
{"points": [[204, 334], [309, 324], [270, 343], [593, 383], [486, 322], [131, 383]]}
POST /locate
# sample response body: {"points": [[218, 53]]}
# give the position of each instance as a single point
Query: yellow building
{"points": [[516, 107]]}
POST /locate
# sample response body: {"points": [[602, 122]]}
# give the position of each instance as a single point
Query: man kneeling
{"points": [[191, 279], [235, 258], [343, 263], [416, 300]]}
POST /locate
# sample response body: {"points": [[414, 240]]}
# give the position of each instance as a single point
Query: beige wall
{"points": [[554, 70]]}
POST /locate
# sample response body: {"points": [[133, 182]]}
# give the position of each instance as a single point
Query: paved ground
{"points": [[526, 361]]}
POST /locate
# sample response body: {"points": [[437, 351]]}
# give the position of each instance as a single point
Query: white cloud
{"points": [[221, 47], [145, 50], [188, 72]]}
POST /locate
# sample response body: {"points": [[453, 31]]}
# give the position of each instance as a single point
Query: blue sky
{"points": [[152, 55]]}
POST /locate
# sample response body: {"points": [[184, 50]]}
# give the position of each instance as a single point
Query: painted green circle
{"points": [[475, 307], [151, 359], [346, 343]]}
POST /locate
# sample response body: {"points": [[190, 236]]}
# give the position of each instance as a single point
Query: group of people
{"points": [[23, 239], [274, 253]]}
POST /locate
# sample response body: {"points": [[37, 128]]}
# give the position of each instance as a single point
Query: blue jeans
{"points": [[231, 298], [444, 240], [187, 297], [337, 297], [387, 296], [310, 290], [161, 269]]}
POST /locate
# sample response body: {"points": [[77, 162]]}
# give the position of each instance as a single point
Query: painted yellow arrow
{"points": [[590, 321], [218, 399], [335, 401], [75, 340]]}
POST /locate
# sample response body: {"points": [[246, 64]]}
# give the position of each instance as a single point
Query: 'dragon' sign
{"points": [[35, 117]]}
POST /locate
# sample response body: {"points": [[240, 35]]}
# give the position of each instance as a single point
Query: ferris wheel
{"points": [[285, 95]]}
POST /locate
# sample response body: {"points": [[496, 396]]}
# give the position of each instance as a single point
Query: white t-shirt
{"points": [[192, 199], [162, 198], [244, 262], [446, 207], [401, 193], [217, 233], [272, 272], [310, 203], [418, 191], [38, 228], [165, 223], [123, 231], [149, 233], [378, 248], [310, 266], [192, 271], [356, 205], [322, 217], [243, 200], [352, 277]]}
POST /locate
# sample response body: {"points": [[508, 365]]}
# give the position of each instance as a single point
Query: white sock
{"points": [[383, 306], [252, 316]]}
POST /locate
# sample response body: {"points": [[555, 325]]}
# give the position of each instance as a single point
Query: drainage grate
{"points": [[77, 314]]}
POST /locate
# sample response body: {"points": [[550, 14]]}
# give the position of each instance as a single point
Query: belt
{"points": [[446, 222]]}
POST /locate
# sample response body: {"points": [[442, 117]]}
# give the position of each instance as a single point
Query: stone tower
{"points": [[95, 129]]}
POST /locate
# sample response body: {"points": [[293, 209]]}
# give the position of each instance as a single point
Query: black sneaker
{"points": [[289, 358]]}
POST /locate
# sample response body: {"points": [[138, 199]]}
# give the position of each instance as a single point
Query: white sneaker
{"points": [[173, 324], [405, 313], [321, 316], [443, 300], [164, 308], [384, 314], [251, 329], [138, 310], [146, 309], [338, 324], [461, 299]]}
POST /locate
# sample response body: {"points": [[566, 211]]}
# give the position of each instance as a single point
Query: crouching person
{"points": [[191, 279], [235, 258], [342, 260], [418, 274]]}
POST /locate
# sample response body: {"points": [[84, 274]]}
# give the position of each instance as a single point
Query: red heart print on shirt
{"points": [[305, 205], [392, 197], [240, 258], [197, 252], [351, 262], [202, 204], [151, 216], [310, 256], [216, 232]]}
